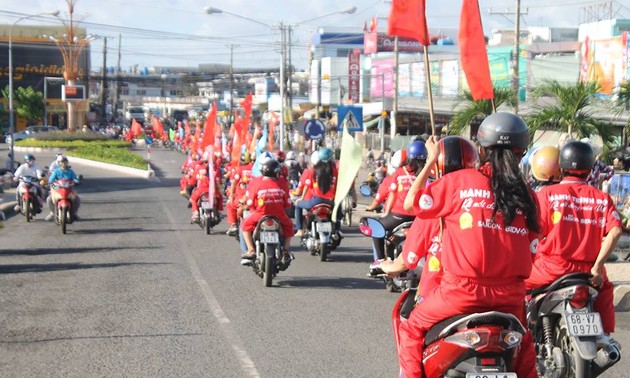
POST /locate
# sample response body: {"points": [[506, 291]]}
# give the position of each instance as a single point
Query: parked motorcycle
{"points": [[568, 333], [29, 204], [394, 241], [63, 215], [319, 236], [208, 216], [467, 345], [270, 259]]}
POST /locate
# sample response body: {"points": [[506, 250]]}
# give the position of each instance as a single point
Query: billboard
{"points": [[354, 76], [605, 61]]}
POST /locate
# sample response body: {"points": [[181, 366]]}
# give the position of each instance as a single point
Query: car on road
{"points": [[29, 132]]}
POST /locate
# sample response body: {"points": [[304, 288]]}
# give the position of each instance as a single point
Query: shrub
{"points": [[65, 135], [119, 156], [60, 143]]}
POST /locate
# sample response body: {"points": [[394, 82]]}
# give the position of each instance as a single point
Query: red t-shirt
{"points": [[242, 176], [400, 183], [574, 219], [306, 180], [330, 194], [424, 240], [266, 196], [383, 190], [473, 245]]}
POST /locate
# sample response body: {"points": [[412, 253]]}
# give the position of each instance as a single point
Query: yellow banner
{"points": [[349, 164]]}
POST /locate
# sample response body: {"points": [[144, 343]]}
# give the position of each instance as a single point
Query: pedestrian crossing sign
{"points": [[350, 116]]}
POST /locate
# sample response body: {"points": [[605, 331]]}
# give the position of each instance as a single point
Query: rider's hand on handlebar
{"points": [[597, 280]]}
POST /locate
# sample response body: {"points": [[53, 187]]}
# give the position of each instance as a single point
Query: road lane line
{"points": [[247, 364]]}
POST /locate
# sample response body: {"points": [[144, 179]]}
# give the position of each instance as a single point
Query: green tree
{"points": [[568, 108], [622, 105], [27, 103], [471, 110]]}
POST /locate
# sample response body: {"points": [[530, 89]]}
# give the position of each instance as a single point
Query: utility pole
{"points": [[290, 67], [283, 46], [515, 80], [118, 80], [392, 121], [231, 84], [104, 84]]}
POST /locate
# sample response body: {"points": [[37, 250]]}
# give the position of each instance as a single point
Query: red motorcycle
{"points": [[63, 190], [29, 203], [471, 345]]}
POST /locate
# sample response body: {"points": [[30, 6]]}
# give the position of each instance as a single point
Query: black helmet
{"points": [[270, 168], [29, 157], [503, 129], [577, 156]]}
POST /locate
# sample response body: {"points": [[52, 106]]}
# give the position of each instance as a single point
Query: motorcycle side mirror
{"points": [[372, 227], [365, 191]]}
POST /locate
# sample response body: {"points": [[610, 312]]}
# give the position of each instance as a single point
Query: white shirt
{"points": [[25, 170]]}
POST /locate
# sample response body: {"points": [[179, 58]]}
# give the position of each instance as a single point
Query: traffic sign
{"points": [[314, 129], [352, 116]]}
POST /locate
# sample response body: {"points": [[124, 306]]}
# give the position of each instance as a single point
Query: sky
{"points": [[180, 33]]}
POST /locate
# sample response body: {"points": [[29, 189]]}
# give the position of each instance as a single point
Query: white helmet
{"points": [[315, 158], [59, 158], [396, 159], [291, 155]]}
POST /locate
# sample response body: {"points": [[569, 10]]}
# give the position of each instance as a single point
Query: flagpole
{"points": [[427, 71]]}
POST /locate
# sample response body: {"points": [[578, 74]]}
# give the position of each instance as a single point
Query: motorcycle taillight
{"points": [[470, 339], [270, 225], [580, 297]]}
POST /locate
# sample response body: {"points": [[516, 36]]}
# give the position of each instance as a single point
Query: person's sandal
{"points": [[251, 255]]}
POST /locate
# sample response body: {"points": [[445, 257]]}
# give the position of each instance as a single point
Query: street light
{"points": [[11, 118], [283, 43]]}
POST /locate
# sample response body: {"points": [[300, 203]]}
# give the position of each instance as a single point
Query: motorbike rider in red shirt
{"points": [[240, 179], [203, 186], [266, 196], [580, 227], [490, 225], [402, 178], [424, 236], [383, 189]]}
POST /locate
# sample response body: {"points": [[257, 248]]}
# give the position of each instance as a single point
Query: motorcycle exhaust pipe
{"points": [[606, 357]]}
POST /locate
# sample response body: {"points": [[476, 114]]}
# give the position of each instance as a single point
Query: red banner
{"points": [[473, 53]]}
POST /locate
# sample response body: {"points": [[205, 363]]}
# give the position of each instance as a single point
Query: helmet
{"points": [[59, 157], [503, 129], [291, 155], [545, 164], [577, 156], [245, 158], [280, 156], [63, 163], [456, 153], [315, 158], [28, 157], [270, 168], [417, 150], [326, 154], [398, 158]]}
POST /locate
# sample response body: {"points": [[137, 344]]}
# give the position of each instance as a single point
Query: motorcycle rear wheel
{"points": [[27, 209], [576, 366], [323, 252], [269, 265]]}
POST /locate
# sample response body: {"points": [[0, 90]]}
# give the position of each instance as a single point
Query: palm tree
{"points": [[567, 108], [472, 110], [622, 104]]}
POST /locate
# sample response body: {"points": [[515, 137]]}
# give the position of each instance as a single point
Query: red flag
{"points": [[407, 18], [247, 106], [208, 132], [136, 128], [237, 141], [186, 129], [158, 127], [473, 53]]}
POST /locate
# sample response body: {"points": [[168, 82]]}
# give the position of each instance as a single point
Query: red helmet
{"points": [[280, 156], [545, 164], [455, 153]]}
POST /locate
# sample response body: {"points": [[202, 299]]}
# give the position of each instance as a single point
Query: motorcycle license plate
{"points": [[205, 205], [324, 227], [269, 237], [588, 324], [491, 375]]}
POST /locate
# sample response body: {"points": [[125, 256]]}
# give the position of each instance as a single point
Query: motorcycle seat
{"points": [[401, 227], [570, 279], [453, 324]]}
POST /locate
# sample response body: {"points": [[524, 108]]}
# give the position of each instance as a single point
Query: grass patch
{"points": [[118, 156]]}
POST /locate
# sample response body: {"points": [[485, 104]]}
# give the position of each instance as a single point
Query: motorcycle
{"points": [[63, 215], [567, 331], [394, 241], [208, 216], [318, 236], [269, 259], [28, 197], [346, 210], [467, 345]]}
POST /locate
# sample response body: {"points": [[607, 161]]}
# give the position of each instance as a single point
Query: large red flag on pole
{"points": [[473, 53], [237, 141], [407, 18], [247, 107], [208, 131], [136, 128]]}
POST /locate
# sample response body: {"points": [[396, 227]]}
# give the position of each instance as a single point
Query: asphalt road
{"points": [[135, 290]]}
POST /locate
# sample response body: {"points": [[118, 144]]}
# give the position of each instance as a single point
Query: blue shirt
{"points": [[59, 174]]}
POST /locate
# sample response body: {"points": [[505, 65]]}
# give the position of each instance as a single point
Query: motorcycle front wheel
{"points": [[63, 219], [576, 366], [27, 209], [207, 223]]}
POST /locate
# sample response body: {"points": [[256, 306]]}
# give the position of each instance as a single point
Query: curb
{"points": [[37, 149], [622, 298], [113, 167]]}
